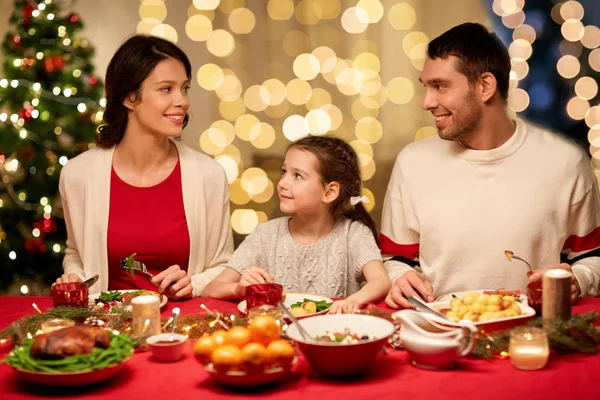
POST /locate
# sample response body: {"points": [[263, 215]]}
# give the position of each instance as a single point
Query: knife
{"points": [[92, 280]]}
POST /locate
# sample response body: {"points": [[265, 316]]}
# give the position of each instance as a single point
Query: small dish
{"points": [[164, 350], [292, 298]]}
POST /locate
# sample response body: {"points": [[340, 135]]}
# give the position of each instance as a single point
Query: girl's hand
{"points": [[252, 276], [181, 283], [347, 306], [66, 278]]}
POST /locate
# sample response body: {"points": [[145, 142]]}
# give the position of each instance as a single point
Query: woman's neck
{"points": [[311, 229], [142, 152]]}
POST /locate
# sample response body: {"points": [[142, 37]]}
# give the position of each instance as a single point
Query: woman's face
{"points": [[163, 102]]}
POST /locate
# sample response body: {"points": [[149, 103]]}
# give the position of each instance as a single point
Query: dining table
{"points": [[573, 377]]}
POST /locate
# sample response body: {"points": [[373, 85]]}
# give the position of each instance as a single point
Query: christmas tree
{"points": [[50, 106]]}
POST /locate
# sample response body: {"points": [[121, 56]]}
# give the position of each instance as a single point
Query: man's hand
{"points": [[575, 289], [411, 283]]}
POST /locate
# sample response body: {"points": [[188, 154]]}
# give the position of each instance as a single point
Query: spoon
{"points": [[303, 332], [420, 305], [510, 255], [176, 312]]}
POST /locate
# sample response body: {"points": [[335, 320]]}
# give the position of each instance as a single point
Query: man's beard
{"points": [[466, 122]]}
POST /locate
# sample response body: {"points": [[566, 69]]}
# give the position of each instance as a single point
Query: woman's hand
{"points": [[175, 282], [66, 278], [252, 276]]}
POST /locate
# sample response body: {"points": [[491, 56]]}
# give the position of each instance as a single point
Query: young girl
{"points": [[328, 247], [140, 191]]}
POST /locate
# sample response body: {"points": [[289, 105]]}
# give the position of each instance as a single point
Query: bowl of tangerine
{"points": [[247, 356]]}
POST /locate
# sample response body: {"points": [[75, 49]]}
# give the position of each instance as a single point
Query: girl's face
{"points": [[163, 102], [300, 188]]}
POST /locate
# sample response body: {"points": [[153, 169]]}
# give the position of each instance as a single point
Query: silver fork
{"points": [[127, 266], [510, 255]]}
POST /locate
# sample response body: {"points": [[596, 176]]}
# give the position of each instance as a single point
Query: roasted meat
{"points": [[69, 341]]}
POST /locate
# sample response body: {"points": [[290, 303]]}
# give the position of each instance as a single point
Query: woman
{"points": [[140, 191]]}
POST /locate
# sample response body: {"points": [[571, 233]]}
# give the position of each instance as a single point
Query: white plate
{"points": [[92, 297], [291, 298], [448, 296]]}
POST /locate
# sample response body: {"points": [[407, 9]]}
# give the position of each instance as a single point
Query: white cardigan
{"points": [[85, 193]]}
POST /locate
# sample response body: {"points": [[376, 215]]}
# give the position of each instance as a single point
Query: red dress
{"points": [[148, 221]]}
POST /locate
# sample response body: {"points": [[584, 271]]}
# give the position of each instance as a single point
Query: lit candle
{"points": [[145, 308], [556, 295], [528, 348], [56, 324]]}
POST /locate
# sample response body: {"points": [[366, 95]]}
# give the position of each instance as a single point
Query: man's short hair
{"points": [[477, 50]]}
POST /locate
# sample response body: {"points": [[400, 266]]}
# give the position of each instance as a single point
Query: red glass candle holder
{"points": [[74, 294], [534, 296], [264, 293]]}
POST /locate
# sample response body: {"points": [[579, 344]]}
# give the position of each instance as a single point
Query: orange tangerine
{"points": [[264, 329], [238, 336], [281, 352], [220, 337], [253, 355], [203, 348], [226, 357]]}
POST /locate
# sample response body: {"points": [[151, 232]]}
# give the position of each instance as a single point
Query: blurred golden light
{"points": [[525, 32], [263, 135], [520, 50], [586, 88], [555, 14], [198, 28], [306, 66], [376, 100], [243, 126], [594, 137], [425, 132], [571, 10], [319, 98], [233, 152], [400, 90], [230, 167], [506, 7], [369, 11], [519, 69], [413, 39], [206, 4], [153, 9], [298, 92], [319, 122], [371, 204], [266, 194], [243, 221], [210, 76], [279, 110], [257, 98], [568, 66], [367, 61], [359, 110], [165, 31], [237, 194], [295, 127], [572, 30], [145, 25], [349, 81], [514, 20], [280, 10], [418, 55], [232, 110], [591, 37], [228, 6], [402, 16], [242, 21], [371, 86], [275, 90], [339, 66], [308, 12], [254, 180], [335, 115], [192, 10], [367, 166], [295, 43], [518, 99], [207, 145], [369, 129], [351, 21], [577, 108], [326, 58], [365, 46], [262, 217], [221, 43], [361, 147], [594, 59], [227, 132], [592, 119], [330, 9], [230, 89]]}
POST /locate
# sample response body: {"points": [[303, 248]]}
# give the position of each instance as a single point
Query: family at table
{"points": [[454, 203]]}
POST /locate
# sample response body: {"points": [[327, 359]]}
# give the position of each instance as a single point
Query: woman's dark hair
{"points": [[338, 162], [478, 51], [128, 68]]}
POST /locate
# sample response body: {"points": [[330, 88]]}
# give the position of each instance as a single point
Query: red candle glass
{"points": [[264, 293], [74, 294], [534, 296]]}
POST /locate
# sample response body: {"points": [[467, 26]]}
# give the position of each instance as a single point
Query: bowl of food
{"points": [[164, 349], [341, 344]]}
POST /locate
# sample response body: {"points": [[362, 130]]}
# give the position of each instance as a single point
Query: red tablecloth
{"points": [[565, 377]]}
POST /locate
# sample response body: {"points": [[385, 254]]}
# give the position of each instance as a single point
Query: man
{"points": [[455, 202]]}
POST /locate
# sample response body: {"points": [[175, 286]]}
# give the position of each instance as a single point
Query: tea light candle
{"points": [[556, 294], [528, 348], [56, 324], [145, 308]]}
